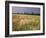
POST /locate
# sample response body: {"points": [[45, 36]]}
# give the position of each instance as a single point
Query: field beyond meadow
{"points": [[23, 22]]}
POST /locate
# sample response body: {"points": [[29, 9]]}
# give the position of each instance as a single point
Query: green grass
{"points": [[25, 22]]}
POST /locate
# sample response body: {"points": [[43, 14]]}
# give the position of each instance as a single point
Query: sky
{"points": [[25, 9]]}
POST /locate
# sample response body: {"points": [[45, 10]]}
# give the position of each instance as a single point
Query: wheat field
{"points": [[22, 22]]}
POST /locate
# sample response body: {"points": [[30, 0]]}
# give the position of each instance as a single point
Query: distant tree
{"points": [[32, 13]]}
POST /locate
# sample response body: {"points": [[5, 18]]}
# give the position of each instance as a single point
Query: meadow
{"points": [[23, 22]]}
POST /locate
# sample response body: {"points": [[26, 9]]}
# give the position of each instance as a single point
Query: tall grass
{"points": [[25, 22]]}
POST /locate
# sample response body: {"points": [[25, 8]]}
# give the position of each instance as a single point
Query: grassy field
{"points": [[21, 22]]}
